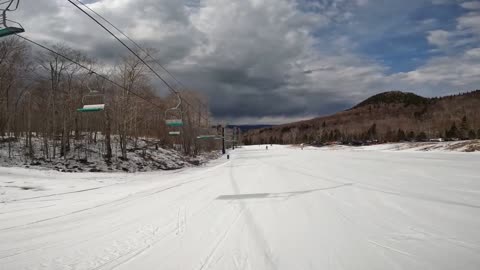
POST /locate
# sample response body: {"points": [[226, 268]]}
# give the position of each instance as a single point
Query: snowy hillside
{"points": [[143, 155], [281, 208]]}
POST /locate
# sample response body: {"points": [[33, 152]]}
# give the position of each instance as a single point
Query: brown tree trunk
{"points": [[108, 143]]}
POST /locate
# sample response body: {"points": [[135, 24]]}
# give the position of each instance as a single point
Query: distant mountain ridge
{"points": [[389, 116], [245, 128], [406, 98]]}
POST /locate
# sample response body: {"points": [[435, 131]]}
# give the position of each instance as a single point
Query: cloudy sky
{"points": [[274, 61]]}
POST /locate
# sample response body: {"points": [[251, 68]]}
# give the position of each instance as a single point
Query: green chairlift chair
{"points": [[173, 118], [6, 29], [94, 101]]}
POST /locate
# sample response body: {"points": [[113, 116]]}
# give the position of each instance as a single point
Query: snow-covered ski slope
{"points": [[278, 209]]}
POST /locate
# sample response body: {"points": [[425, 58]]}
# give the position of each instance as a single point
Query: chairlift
{"points": [[173, 115], [206, 137], [94, 101], [6, 28], [173, 118], [205, 134]]}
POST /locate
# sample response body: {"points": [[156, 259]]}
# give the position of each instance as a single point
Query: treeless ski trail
{"points": [[278, 209]]}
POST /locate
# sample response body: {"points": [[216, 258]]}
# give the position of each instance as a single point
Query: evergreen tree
{"points": [[331, 136], [389, 136], [463, 132], [472, 135], [401, 136], [324, 137], [337, 135], [372, 132], [411, 136], [464, 124], [452, 132], [422, 136]]}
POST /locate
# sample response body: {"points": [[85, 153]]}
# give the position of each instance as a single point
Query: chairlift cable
{"points": [[11, 2], [138, 46], [132, 51], [90, 70]]}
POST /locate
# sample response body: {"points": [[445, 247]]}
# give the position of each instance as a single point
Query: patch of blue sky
{"points": [[391, 33], [402, 45]]}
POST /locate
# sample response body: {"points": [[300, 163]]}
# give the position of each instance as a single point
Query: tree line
{"points": [[41, 91], [302, 134]]}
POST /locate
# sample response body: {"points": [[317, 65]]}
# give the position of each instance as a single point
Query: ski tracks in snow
{"points": [[253, 229], [205, 263], [181, 220], [118, 252]]}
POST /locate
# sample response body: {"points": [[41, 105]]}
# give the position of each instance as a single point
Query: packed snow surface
{"points": [[282, 208]]}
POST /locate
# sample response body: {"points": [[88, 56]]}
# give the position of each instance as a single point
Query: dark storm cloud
{"points": [[246, 105], [240, 78]]}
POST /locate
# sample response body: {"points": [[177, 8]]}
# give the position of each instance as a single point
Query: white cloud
{"points": [[456, 69], [362, 2], [470, 22], [439, 38], [443, 2], [471, 5], [444, 75], [475, 53], [466, 33]]}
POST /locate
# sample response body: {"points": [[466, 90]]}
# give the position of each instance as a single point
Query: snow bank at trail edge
{"points": [[457, 146]]}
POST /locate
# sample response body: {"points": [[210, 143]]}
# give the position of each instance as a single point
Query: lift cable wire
{"points": [[10, 4], [91, 71], [134, 53], [138, 46]]}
